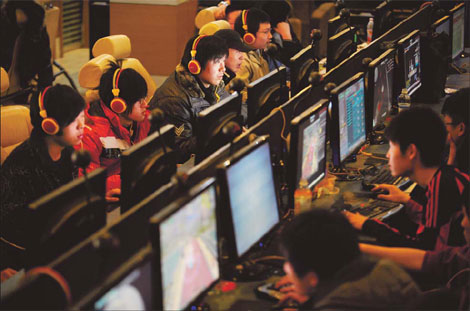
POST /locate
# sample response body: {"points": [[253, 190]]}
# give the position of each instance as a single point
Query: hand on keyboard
{"points": [[357, 220], [394, 193]]}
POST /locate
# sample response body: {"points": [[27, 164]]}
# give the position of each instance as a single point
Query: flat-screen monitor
{"points": [[442, 25], [348, 126], [184, 237], [340, 46], [458, 29], [214, 125], [266, 93], [336, 25], [379, 89], [410, 61], [302, 64], [307, 158], [249, 197], [147, 166], [127, 288], [66, 216]]}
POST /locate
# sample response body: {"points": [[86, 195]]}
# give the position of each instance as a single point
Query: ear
{"points": [[461, 128], [311, 278], [411, 152]]}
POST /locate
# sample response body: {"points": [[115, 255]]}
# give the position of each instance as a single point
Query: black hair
{"points": [[456, 106], [254, 18], [132, 86], [209, 48], [422, 127], [278, 11], [320, 240], [61, 102], [32, 10]]}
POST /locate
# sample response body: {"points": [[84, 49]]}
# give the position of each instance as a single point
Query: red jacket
{"points": [[104, 123]]}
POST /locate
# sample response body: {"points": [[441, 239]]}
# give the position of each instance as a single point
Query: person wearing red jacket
{"points": [[116, 122]]}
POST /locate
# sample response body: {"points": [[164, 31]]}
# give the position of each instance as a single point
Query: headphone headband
{"points": [[193, 66], [117, 104], [249, 38], [49, 125]]}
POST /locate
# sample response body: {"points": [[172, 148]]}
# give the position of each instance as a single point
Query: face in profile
{"points": [[398, 162], [72, 134], [213, 73], [139, 111], [263, 36], [234, 60]]}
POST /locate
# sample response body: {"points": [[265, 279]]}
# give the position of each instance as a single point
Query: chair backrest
{"points": [[16, 128], [51, 20], [211, 28], [4, 80], [319, 20]]}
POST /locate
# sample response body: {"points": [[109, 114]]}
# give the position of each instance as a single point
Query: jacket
{"points": [[254, 66], [181, 99], [365, 284], [104, 123]]}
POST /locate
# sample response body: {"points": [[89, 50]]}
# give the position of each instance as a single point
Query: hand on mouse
{"points": [[394, 194], [356, 220]]}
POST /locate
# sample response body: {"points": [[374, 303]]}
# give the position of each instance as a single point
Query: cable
{"points": [[283, 122], [56, 276]]}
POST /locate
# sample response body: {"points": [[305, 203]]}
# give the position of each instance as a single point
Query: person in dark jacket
{"points": [[39, 165], [325, 269], [196, 84], [25, 51]]}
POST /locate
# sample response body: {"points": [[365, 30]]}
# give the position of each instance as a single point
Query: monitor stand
{"points": [[454, 69]]}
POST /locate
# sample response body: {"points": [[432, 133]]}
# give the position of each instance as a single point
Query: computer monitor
{"points": [[336, 25], [66, 216], [458, 29], [184, 237], [348, 122], [210, 134], [442, 25], [266, 93], [302, 64], [409, 55], [307, 157], [146, 166], [127, 288], [379, 90], [340, 46], [249, 203]]}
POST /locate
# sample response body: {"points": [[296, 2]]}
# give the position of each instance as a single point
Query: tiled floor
{"points": [[74, 60]]}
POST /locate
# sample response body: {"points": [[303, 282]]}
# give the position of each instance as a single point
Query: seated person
{"points": [[39, 165], [456, 115], [325, 269], [196, 83], [417, 140], [441, 265], [117, 121], [254, 27], [25, 51]]}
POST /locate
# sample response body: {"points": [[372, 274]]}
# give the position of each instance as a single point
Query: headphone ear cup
{"points": [[118, 105], [249, 38], [50, 126], [194, 67]]}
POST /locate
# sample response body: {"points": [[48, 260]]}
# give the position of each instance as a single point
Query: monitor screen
{"points": [[188, 250], [252, 196], [134, 292], [383, 87], [458, 29], [352, 126], [412, 63]]}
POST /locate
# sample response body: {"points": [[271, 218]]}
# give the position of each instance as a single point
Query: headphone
{"points": [[118, 105], [248, 37], [49, 125], [193, 66]]}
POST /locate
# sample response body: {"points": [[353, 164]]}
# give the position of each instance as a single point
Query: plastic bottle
{"points": [[302, 197], [404, 100], [370, 29]]}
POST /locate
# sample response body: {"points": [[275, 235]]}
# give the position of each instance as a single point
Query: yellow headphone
{"points": [[49, 125], [248, 37], [193, 66], [118, 105]]}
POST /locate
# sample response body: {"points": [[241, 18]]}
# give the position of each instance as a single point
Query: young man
{"points": [[417, 139], [191, 89], [325, 269], [254, 27], [456, 115], [39, 165], [117, 121]]}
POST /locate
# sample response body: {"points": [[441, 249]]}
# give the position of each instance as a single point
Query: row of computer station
{"points": [[178, 233]]}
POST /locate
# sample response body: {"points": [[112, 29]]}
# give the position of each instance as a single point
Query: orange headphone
{"points": [[118, 105], [248, 37], [49, 125], [193, 66]]}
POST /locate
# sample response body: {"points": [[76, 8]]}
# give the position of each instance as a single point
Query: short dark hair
{"points": [[254, 18], [132, 86], [456, 106], [320, 240], [61, 102], [422, 127], [209, 48]]}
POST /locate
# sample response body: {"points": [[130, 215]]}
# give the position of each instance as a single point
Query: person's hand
{"points": [[356, 220], [113, 195], [394, 193], [286, 286], [283, 29]]}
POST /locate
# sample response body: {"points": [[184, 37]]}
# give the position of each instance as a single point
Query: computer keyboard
{"points": [[374, 208], [382, 176]]}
